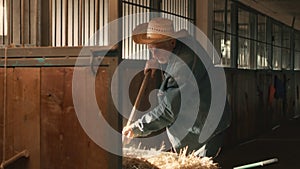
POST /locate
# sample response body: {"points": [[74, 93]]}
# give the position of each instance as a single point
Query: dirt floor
{"points": [[282, 143]]}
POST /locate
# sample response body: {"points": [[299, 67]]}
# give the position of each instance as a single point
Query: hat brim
{"points": [[139, 35]]}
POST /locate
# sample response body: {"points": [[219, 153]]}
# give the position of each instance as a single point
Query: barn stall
{"points": [[38, 114]]}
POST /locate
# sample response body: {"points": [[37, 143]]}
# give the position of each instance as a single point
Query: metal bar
{"points": [[66, 21], [29, 22], [83, 22], [80, 23], [57, 62], [61, 22], [101, 12], [88, 33], [257, 164], [22, 154], [55, 22], [51, 51], [73, 22], [67, 56], [9, 32], [3, 23], [50, 21], [22, 6], [97, 21]]}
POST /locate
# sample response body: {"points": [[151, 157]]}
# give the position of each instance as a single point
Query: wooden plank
{"points": [[74, 138], [52, 85], [10, 108], [1, 111], [26, 121], [64, 142], [230, 139], [96, 156], [290, 96]]}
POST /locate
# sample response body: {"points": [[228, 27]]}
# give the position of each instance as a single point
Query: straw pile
{"points": [[168, 160]]}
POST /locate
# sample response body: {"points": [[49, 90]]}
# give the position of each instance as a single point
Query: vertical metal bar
{"points": [[182, 9], [97, 21], [130, 27], [234, 36], [50, 22], [125, 23], [73, 22], [9, 22], [55, 22], [84, 22], [253, 44], [126, 31], [94, 28], [225, 21], [3, 23], [88, 32], [29, 21], [101, 18], [105, 21], [133, 25], [80, 23], [66, 21], [61, 22], [269, 42], [292, 48], [22, 6]]}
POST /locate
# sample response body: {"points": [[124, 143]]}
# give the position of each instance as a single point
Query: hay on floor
{"points": [[168, 160]]}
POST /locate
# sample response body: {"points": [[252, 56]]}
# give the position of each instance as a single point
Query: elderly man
{"points": [[171, 53]]}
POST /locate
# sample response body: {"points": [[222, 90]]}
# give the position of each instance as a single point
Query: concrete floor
{"points": [[282, 143]]}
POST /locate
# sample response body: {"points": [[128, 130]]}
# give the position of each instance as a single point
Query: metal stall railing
{"points": [[71, 22], [179, 11], [19, 23], [75, 22]]}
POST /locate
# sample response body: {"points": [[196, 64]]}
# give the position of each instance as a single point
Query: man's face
{"points": [[162, 51]]}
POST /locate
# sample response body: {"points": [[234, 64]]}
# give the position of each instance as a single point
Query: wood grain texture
{"points": [[26, 120]]}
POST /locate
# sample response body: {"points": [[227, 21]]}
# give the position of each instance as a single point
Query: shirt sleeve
{"points": [[164, 114]]}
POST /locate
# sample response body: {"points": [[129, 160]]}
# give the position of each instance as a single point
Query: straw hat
{"points": [[157, 30]]}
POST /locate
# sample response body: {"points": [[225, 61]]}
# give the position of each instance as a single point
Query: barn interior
{"points": [[70, 74]]}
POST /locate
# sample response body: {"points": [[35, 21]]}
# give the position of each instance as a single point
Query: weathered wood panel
{"points": [[63, 140], [259, 101], [64, 143], [1, 110], [24, 116], [9, 122]]}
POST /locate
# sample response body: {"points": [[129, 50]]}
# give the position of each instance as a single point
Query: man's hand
{"points": [[151, 65], [127, 134]]}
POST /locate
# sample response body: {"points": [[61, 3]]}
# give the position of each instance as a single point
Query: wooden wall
{"points": [[40, 117], [256, 109], [39, 113]]}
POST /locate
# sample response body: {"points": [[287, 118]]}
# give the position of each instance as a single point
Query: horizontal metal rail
{"points": [[22, 154], [58, 56]]}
